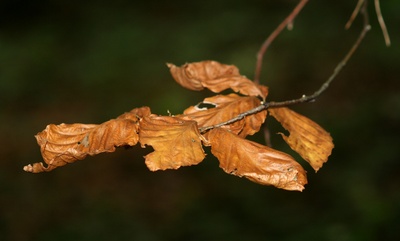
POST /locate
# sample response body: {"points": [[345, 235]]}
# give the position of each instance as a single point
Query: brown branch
{"points": [[287, 22], [305, 98], [382, 23], [354, 14], [336, 71], [379, 16]]}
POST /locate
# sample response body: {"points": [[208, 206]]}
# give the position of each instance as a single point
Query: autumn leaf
{"points": [[226, 108], [306, 137], [258, 163], [136, 114], [67, 143], [216, 77], [176, 142]]}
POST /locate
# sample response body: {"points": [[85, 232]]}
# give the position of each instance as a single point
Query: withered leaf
{"points": [[136, 114], [67, 143], [226, 108], [176, 142], [216, 77], [306, 137], [258, 163]]}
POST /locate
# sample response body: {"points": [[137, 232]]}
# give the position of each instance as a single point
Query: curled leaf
{"points": [[306, 137], [226, 108], [258, 163], [176, 142], [136, 113], [216, 77], [67, 143]]}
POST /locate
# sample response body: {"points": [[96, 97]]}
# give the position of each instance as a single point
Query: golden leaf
{"points": [[258, 163], [176, 142], [306, 137], [216, 77], [226, 108]]}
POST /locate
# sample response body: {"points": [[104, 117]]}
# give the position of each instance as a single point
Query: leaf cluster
{"points": [[179, 140]]}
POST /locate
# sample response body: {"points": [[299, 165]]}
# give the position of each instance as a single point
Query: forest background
{"points": [[88, 62]]}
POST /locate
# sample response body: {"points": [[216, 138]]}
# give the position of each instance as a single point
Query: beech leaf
{"points": [[136, 113], [306, 137], [67, 143], [216, 77], [226, 108], [176, 142], [258, 163]]}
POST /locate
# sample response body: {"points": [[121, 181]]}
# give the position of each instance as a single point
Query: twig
{"points": [[237, 118], [288, 21], [354, 14], [379, 16], [304, 98], [382, 23], [336, 71]]}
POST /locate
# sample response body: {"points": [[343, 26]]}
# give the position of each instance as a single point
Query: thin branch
{"points": [[354, 14], [233, 120], [267, 136], [382, 23], [336, 71], [304, 98], [287, 22], [379, 16]]}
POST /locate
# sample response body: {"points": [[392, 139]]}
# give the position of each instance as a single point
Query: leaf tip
{"points": [[28, 168], [169, 65], [37, 167]]}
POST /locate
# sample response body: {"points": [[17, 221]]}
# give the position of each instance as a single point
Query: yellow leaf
{"points": [[306, 137], [176, 142]]}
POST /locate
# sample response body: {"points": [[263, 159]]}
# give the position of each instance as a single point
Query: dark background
{"points": [[90, 61]]}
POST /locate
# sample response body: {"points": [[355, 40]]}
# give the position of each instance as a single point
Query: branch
{"points": [[354, 14], [305, 98], [382, 23], [336, 71], [287, 22], [378, 14]]}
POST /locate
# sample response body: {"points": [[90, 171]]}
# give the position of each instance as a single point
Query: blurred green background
{"points": [[90, 61]]}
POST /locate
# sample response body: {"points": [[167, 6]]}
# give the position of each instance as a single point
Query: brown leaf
{"points": [[226, 108], [176, 142], [260, 164], [306, 137], [136, 113], [67, 143], [216, 77]]}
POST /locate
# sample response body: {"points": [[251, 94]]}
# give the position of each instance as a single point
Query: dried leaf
{"points": [[260, 164], [228, 107], [136, 113], [67, 143], [306, 137], [176, 142], [216, 77]]}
